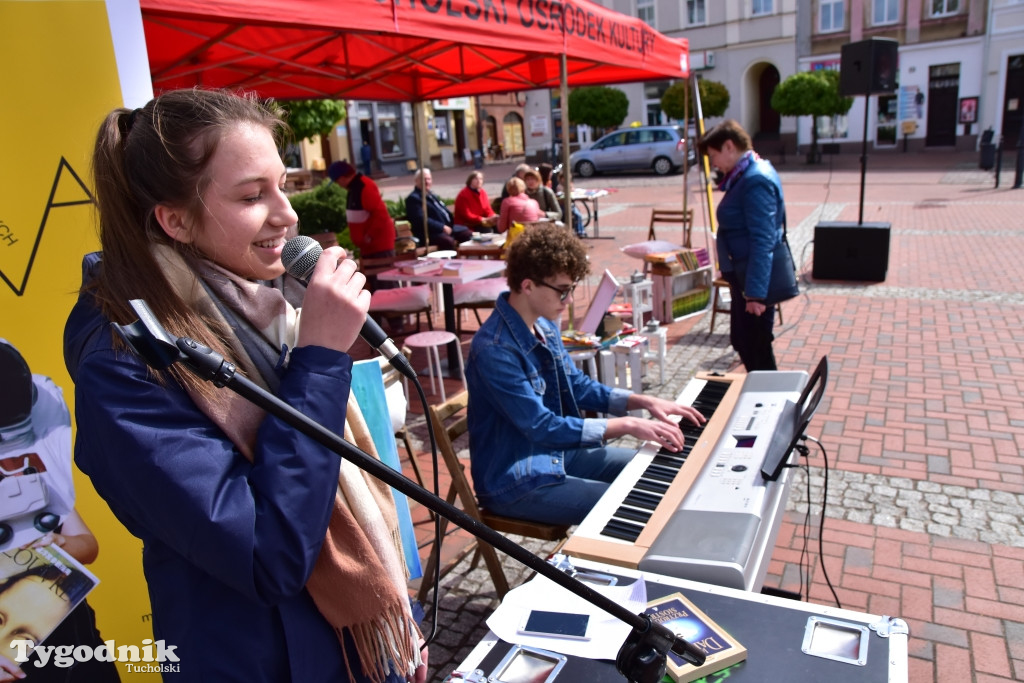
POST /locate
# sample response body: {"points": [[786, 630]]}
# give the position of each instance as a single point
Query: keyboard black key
{"points": [[618, 528], [634, 515], [652, 486], [659, 474], [640, 499]]}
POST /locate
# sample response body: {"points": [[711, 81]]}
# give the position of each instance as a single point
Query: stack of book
{"points": [[574, 340], [452, 268], [677, 262], [422, 267]]}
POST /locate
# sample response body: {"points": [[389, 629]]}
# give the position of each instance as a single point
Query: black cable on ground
{"points": [[821, 525]]}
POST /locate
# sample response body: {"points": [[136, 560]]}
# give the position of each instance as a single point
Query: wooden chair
{"points": [[407, 244], [717, 306], [675, 217], [717, 285], [449, 422]]}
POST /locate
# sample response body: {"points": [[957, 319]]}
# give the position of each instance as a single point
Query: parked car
{"points": [[658, 148]]}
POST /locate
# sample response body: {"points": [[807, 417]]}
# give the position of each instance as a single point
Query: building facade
{"points": [[942, 44], [961, 66], [747, 45]]}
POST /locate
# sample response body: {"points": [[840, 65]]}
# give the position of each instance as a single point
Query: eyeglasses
{"points": [[563, 294]]}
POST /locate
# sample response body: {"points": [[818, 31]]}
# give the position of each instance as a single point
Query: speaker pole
{"points": [[863, 160]]}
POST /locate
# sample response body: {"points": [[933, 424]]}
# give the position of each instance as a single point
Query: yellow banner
{"points": [[60, 78]]}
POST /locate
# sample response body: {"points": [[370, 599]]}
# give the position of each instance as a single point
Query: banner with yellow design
{"points": [[66, 65]]}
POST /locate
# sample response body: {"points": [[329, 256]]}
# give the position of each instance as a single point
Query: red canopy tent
{"points": [[407, 50], [401, 50]]}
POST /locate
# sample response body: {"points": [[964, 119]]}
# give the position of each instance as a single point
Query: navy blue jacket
{"points": [[750, 220], [438, 215], [228, 543]]}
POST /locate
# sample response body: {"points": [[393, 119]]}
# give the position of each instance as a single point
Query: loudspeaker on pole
{"points": [[868, 67]]}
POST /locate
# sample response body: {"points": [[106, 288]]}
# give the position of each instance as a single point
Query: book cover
{"points": [[424, 267], [39, 587], [684, 619]]}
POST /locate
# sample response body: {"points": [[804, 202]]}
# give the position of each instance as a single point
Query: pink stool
{"points": [[431, 342]]}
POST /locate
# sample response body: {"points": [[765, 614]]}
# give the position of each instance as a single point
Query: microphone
{"points": [[299, 257]]}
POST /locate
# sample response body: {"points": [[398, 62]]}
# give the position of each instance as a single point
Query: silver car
{"points": [[659, 148]]}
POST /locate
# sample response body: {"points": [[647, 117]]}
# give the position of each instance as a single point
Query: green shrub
{"points": [[396, 208], [321, 209]]}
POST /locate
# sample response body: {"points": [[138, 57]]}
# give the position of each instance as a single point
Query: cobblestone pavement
{"points": [[923, 420]]}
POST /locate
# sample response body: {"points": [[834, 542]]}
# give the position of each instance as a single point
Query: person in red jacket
{"points": [[472, 206], [369, 224]]}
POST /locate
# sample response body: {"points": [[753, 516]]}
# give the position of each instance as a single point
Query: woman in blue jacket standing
{"points": [[751, 217], [266, 559]]}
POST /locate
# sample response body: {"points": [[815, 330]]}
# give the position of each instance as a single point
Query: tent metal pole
{"points": [[419, 112], [563, 99]]}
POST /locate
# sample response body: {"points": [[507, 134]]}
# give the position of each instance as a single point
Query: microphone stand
{"points": [[641, 658]]}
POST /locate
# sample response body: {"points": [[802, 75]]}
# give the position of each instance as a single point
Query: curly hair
{"points": [[542, 252]]}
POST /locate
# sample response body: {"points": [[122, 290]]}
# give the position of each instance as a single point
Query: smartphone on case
{"points": [[555, 625]]}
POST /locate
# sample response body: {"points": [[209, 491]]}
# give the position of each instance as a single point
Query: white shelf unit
{"points": [[677, 297]]}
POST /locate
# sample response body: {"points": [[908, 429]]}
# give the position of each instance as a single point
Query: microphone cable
{"points": [[821, 521], [436, 551]]}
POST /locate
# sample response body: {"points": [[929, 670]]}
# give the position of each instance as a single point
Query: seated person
{"points": [[520, 173], [518, 207], [543, 195], [534, 455], [441, 228], [545, 170], [472, 207]]}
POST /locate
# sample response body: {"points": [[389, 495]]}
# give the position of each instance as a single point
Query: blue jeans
{"points": [[588, 471]]}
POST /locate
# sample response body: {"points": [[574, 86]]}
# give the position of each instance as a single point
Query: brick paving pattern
{"points": [[923, 419]]}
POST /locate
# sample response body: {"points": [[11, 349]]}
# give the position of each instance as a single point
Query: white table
{"points": [[469, 270], [591, 197]]}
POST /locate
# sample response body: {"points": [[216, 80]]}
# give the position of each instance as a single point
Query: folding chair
{"points": [[676, 217], [449, 421]]}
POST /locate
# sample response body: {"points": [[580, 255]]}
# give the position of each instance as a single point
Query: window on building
{"points": [[762, 7], [388, 117], [645, 11], [885, 12], [830, 17], [442, 132], [942, 8], [695, 15]]}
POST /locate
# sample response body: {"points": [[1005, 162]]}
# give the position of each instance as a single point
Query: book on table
{"points": [[423, 267], [687, 621]]}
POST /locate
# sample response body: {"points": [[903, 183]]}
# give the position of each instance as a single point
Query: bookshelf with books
{"points": [[682, 283]]}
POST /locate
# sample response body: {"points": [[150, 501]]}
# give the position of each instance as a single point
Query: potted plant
{"points": [[321, 214]]}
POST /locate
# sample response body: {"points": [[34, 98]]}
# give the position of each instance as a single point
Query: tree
{"points": [[309, 118], [714, 99], [811, 93], [598, 106]]}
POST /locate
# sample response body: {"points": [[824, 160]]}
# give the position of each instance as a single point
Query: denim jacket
{"points": [[525, 402], [750, 220]]}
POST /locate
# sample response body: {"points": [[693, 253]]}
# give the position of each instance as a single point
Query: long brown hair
{"points": [[159, 155]]}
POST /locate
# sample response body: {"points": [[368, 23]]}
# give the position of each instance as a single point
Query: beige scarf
{"points": [[359, 580]]}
